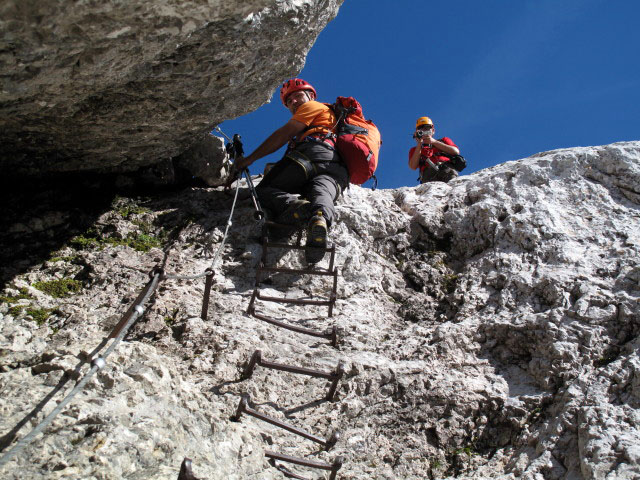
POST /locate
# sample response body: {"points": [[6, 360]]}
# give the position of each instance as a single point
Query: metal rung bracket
{"points": [[243, 407], [185, 471], [207, 292], [330, 334], [333, 467], [335, 376]]}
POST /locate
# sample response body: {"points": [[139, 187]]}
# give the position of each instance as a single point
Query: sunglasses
{"points": [[425, 127]]}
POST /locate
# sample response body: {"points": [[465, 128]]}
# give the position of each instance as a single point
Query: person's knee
{"points": [[261, 191]]}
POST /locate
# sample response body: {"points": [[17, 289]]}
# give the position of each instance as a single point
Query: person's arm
{"points": [[414, 158], [276, 140], [445, 147]]}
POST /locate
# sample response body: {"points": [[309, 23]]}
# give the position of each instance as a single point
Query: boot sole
{"points": [[316, 243]]}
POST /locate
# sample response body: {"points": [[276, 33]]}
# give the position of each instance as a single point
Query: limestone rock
{"points": [[115, 86], [490, 329]]}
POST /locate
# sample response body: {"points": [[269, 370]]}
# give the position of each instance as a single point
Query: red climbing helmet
{"points": [[294, 85]]}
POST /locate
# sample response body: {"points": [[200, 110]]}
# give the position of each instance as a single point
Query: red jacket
{"points": [[433, 153]]}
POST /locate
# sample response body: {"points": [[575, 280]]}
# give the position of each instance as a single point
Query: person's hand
{"points": [[241, 163], [427, 139], [419, 141]]}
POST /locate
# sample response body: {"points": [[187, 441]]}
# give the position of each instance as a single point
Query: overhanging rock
{"points": [[116, 86]]}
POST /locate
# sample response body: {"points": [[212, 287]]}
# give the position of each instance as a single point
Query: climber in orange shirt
{"points": [[302, 187]]}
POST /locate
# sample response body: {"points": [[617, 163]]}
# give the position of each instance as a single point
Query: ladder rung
{"points": [[271, 223], [298, 461], [309, 271], [294, 247], [332, 467], [331, 334], [295, 301]]}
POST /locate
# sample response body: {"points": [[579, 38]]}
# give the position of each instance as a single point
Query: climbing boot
{"points": [[297, 213], [316, 239]]}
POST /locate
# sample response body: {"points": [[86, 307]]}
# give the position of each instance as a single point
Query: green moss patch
{"points": [[86, 241], [15, 311], [142, 242], [40, 315], [23, 295], [126, 207], [62, 259], [59, 288]]}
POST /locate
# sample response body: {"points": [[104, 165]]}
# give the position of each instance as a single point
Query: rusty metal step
{"points": [[270, 224], [335, 376], [266, 244], [288, 246], [332, 467], [291, 246], [243, 407], [329, 334], [298, 271], [294, 301]]}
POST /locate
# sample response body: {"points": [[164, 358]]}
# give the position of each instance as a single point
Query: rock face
{"points": [[490, 328], [115, 86]]}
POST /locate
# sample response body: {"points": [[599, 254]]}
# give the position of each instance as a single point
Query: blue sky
{"points": [[503, 79]]}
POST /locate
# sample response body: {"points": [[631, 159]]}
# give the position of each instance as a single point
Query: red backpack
{"points": [[358, 140]]}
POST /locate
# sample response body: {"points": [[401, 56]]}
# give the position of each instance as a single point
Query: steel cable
{"points": [[218, 252], [97, 363]]}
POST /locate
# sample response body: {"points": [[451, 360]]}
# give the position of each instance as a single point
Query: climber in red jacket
{"points": [[430, 155]]}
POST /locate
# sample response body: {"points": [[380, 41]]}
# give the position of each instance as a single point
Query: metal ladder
{"points": [[256, 359]]}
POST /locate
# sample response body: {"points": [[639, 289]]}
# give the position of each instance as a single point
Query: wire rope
{"points": [[97, 363]]}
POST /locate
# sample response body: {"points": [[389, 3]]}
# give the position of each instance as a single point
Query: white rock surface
{"points": [[490, 329]]}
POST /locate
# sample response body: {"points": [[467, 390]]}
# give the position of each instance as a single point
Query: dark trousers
{"points": [[310, 170], [444, 173]]}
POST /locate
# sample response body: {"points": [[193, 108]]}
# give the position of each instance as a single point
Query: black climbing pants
{"points": [[310, 170], [443, 174]]}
